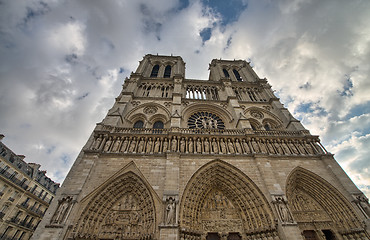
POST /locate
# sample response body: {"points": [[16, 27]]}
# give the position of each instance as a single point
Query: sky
{"points": [[63, 63]]}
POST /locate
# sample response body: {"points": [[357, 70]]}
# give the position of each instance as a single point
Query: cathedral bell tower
{"points": [[216, 159]]}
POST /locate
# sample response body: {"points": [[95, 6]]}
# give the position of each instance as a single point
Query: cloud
{"points": [[63, 63]]}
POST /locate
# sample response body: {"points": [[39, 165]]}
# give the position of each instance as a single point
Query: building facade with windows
{"points": [[216, 159], [25, 195]]}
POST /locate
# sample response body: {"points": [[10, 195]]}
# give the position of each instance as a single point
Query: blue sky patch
{"points": [[205, 34], [229, 10]]}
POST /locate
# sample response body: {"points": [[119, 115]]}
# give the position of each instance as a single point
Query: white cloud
{"points": [[60, 65]]}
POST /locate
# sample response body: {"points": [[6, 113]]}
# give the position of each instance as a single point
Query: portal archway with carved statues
{"points": [[320, 210], [123, 208], [221, 202]]}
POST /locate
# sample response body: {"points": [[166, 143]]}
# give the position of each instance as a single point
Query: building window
{"points": [[155, 71], [158, 125], [213, 236], [226, 73], [139, 124], [237, 75], [205, 120], [267, 127], [167, 72]]}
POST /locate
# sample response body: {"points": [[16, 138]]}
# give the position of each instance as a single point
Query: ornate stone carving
{"points": [[170, 218], [363, 204], [62, 211], [256, 114], [150, 110], [135, 103], [281, 205]]}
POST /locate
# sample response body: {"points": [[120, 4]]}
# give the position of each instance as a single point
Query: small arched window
{"points": [[267, 127], [237, 75], [226, 73], [155, 71], [139, 124], [158, 125], [167, 72]]}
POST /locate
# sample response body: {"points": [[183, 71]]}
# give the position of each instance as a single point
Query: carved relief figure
{"points": [[149, 145], [285, 147], [270, 148], [157, 145], [174, 144], [62, 210], [165, 145], [292, 147], [206, 146], [170, 212], [255, 146], [238, 146], [199, 146], [284, 213], [116, 145], [132, 145], [182, 145], [278, 147], [246, 146], [124, 145], [140, 147], [96, 144], [214, 146], [262, 145], [231, 146], [223, 146], [107, 145], [191, 146]]}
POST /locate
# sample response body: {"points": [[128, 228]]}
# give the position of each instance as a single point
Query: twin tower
{"points": [[221, 159]]}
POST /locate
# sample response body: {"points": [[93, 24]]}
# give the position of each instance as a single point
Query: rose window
{"points": [[205, 120]]}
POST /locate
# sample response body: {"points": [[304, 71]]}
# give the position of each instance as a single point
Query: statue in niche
{"points": [[116, 144], [140, 147], [223, 146], [165, 145], [170, 212], [107, 144], [285, 147], [124, 145], [182, 145], [246, 146], [363, 204], [132, 145], [292, 147], [206, 146], [97, 143], [262, 146], [300, 148], [174, 144], [214, 146], [149, 145], [60, 214], [199, 146], [270, 148], [283, 210], [239, 149], [278, 148], [191, 145], [309, 147], [255, 146], [231, 146], [157, 145]]}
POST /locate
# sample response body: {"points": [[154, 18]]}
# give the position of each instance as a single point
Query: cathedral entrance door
{"points": [[213, 236], [309, 235]]}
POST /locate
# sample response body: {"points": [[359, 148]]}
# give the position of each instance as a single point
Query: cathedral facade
{"points": [[179, 158]]}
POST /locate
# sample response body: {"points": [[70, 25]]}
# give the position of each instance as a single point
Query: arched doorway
{"points": [[320, 210], [219, 198]]}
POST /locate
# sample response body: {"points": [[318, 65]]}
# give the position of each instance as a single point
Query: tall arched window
{"points": [[237, 75], [167, 72], [158, 125], [139, 124], [226, 73], [155, 71]]}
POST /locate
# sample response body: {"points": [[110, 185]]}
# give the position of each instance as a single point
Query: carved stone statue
{"points": [[149, 145], [199, 146], [206, 145], [230, 146], [255, 146], [300, 148], [97, 142], [214, 146], [191, 145], [140, 147], [124, 145], [171, 212], [292, 147], [283, 210], [239, 149], [107, 144], [262, 146], [116, 145], [132, 145], [174, 144], [165, 145], [157, 145], [62, 210], [223, 146], [363, 204], [246, 146], [278, 147], [285, 147], [309, 147], [182, 145]]}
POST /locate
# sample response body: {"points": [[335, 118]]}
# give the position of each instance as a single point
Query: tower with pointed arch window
{"points": [[216, 159]]}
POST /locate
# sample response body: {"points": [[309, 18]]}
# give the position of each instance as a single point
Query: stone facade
{"points": [[179, 158], [25, 195]]}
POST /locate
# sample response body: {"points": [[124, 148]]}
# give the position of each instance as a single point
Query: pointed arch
{"points": [[246, 205], [309, 194], [155, 71], [124, 204]]}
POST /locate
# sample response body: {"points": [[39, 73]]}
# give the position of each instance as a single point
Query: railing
{"points": [[10, 177]]}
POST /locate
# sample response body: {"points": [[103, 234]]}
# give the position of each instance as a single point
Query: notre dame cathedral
{"points": [[186, 159]]}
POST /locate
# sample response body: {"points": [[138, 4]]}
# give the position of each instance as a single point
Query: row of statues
{"points": [[204, 145]]}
